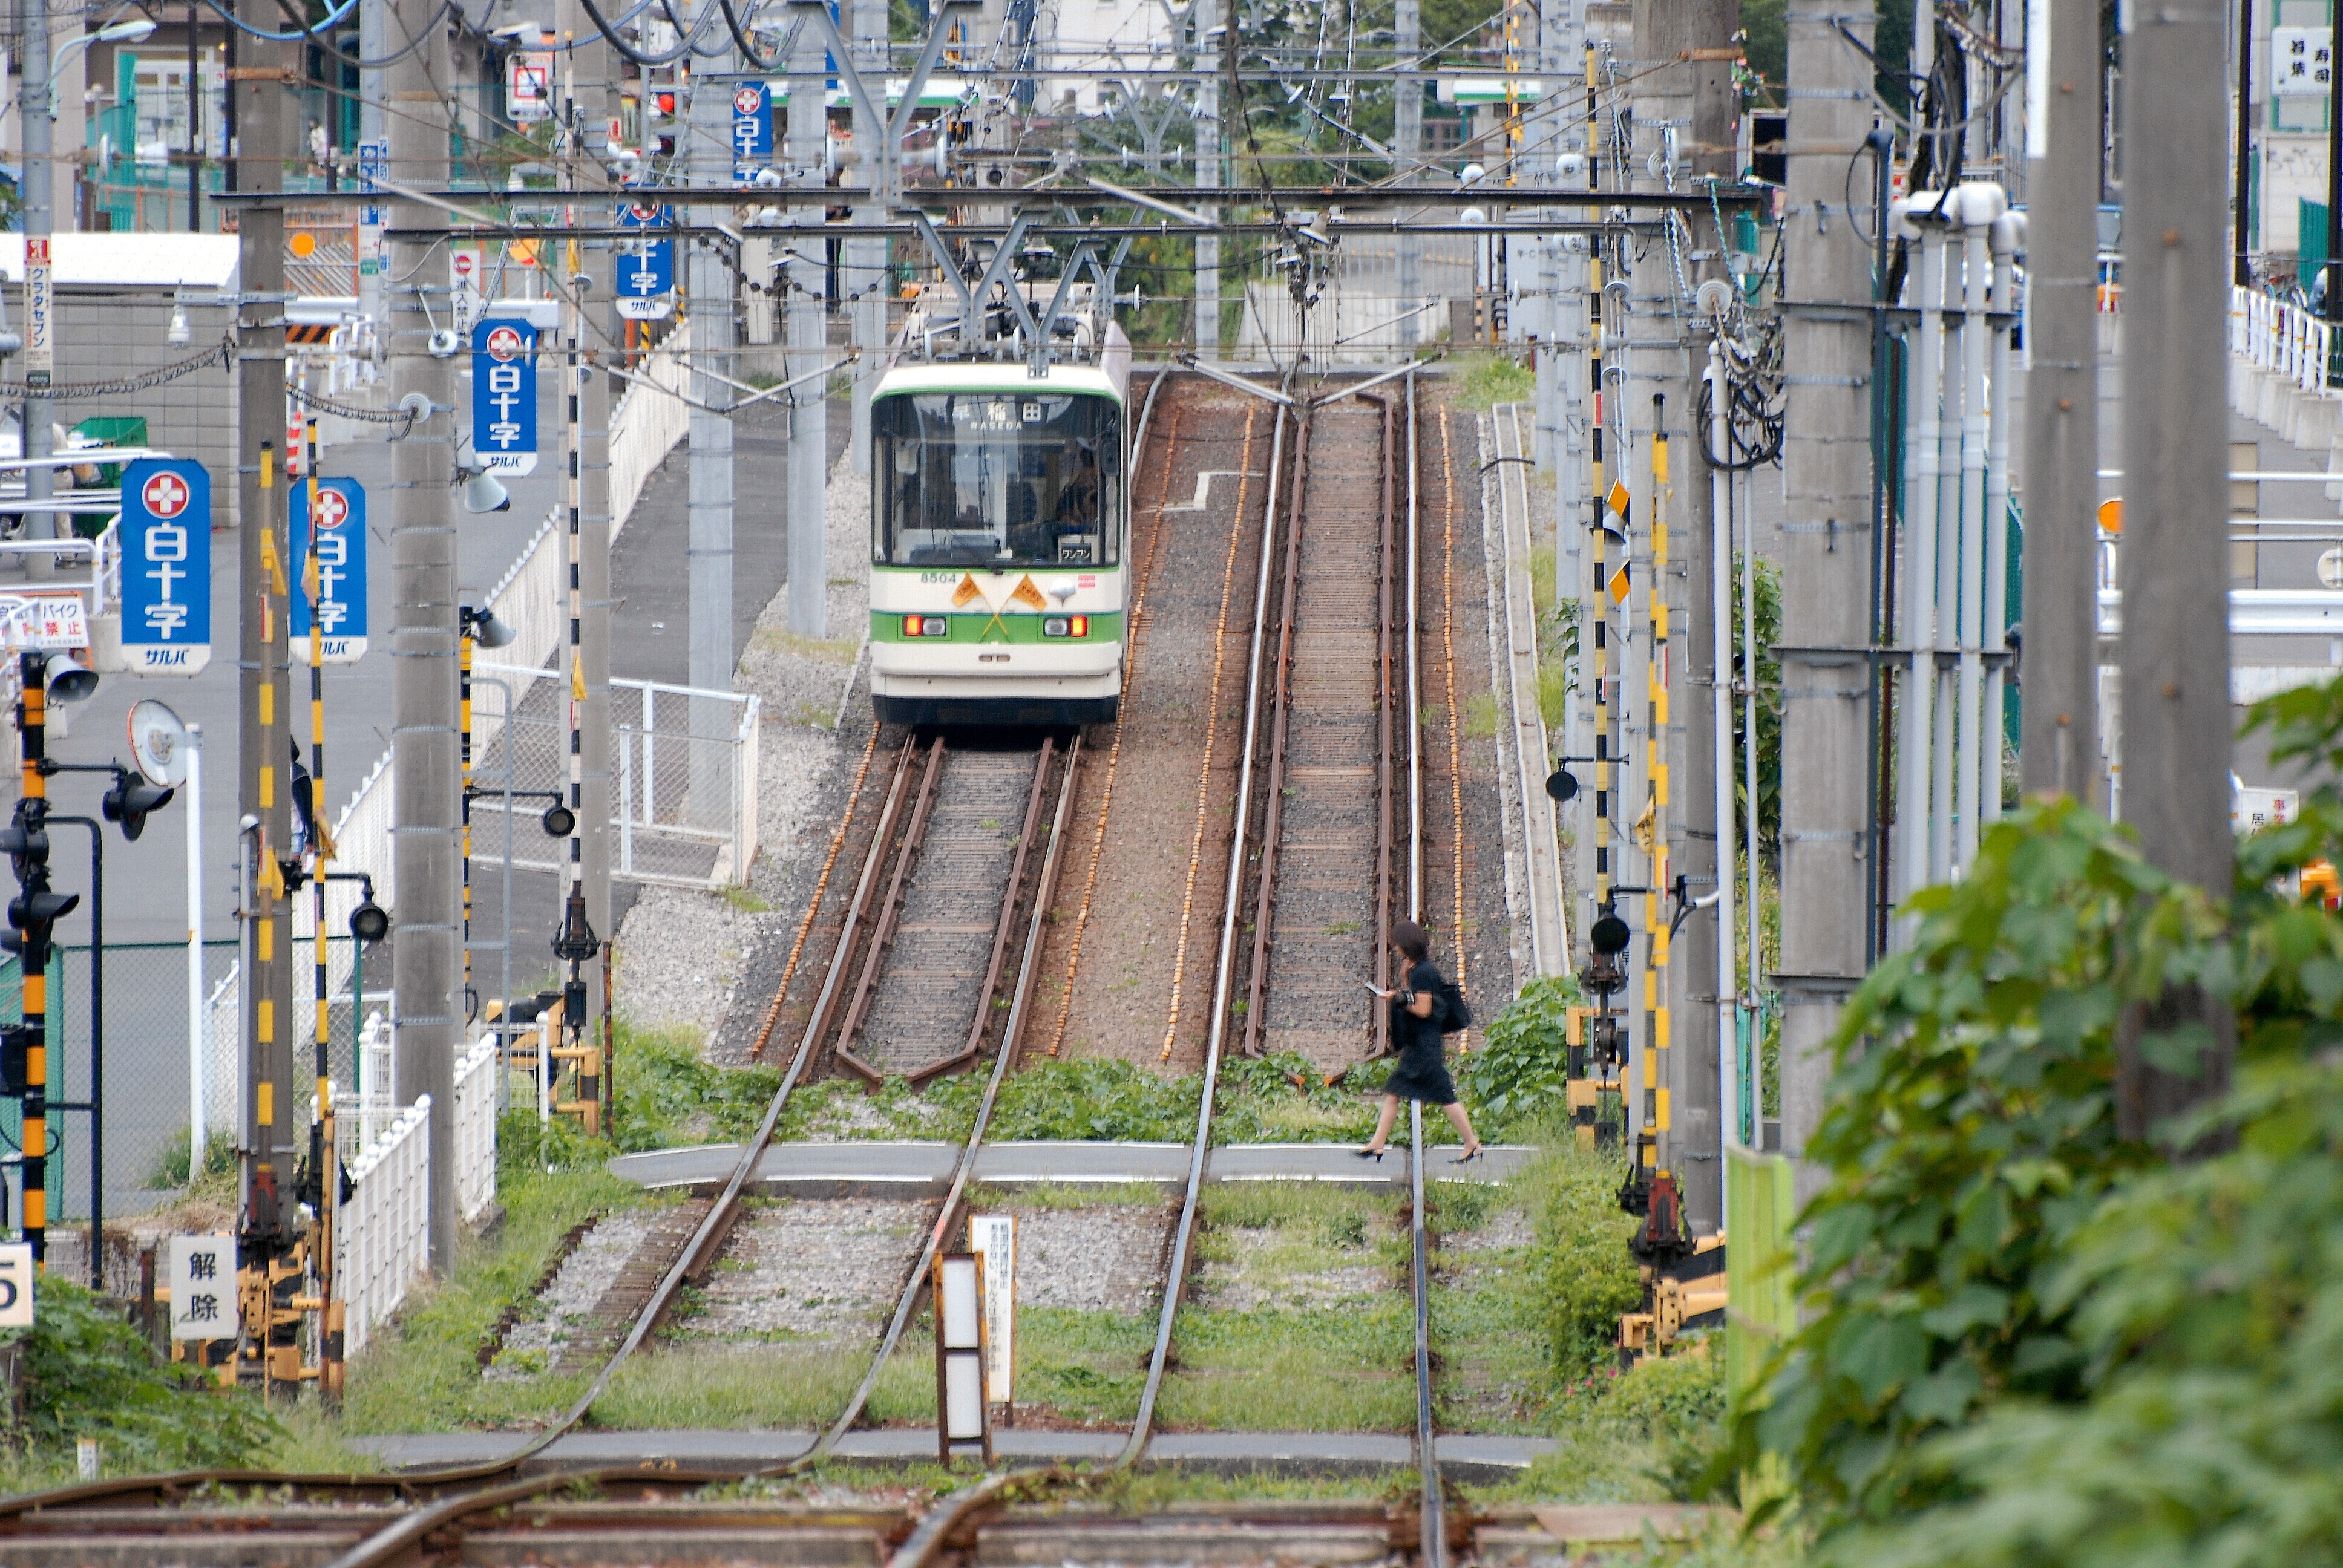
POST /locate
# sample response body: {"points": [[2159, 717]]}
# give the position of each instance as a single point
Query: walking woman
{"points": [[1418, 1015]]}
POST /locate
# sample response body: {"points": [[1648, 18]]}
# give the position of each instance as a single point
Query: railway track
{"points": [[924, 953]]}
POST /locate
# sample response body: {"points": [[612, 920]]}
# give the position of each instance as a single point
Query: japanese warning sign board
{"points": [[504, 397], [752, 130], [646, 285], [528, 85], [44, 620], [40, 314], [167, 566], [338, 574], [202, 1288]]}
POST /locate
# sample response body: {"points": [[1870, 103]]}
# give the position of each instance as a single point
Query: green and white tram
{"points": [[1001, 541]]}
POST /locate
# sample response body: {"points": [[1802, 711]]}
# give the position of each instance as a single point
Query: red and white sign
{"points": [[748, 100], [166, 495], [528, 85], [56, 620], [333, 509], [505, 346]]}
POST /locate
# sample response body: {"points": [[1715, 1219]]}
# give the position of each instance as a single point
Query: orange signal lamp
{"points": [[2111, 515]]}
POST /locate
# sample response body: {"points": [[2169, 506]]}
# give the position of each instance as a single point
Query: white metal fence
{"points": [[385, 1235], [2284, 339], [647, 424], [476, 1127], [684, 771]]}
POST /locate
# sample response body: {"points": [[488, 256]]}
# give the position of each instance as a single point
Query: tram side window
{"points": [[998, 480]]}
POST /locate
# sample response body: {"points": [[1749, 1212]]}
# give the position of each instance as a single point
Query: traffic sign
{"points": [[752, 130], [339, 571], [44, 620], [528, 85], [167, 566], [16, 1285], [504, 396], [646, 271]]}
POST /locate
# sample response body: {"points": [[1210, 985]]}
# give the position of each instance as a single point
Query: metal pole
{"points": [[1976, 427], [36, 109], [1209, 15], [2175, 571], [323, 1145], [1825, 569], [866, 269], [195, 123], [199, 1037], [426, 960], [1916, 771], [809, 410], [1720, 722], [710, 505], [2059, 721], [2242, 270]]}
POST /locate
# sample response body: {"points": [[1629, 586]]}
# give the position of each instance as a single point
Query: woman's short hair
{"points": [[1413, 939]]}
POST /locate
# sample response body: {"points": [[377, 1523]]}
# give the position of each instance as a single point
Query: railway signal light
{"points": [[130, 802], [32, 914], [559, 821]]}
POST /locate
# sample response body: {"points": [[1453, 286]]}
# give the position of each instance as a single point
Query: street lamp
{"points": [[133, 31]]}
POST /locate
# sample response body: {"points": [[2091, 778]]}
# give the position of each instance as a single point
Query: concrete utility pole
{"points": [[866, 269], [40, 219], [808, 346], [2174, 570], [2058, 730], [710, 497], [1208, 15], [1826, 556], [1696, 856], [280, 1130], [1407, 142], [427, 960]]}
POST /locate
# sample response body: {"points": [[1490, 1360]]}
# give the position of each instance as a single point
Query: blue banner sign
{"points": [[337, 574], [646, 271], [167, 566], [752, 129], [504, 396]]}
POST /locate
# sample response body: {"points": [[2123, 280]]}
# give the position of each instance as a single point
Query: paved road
{"points": [[837, 1170], [1462, 1457]]}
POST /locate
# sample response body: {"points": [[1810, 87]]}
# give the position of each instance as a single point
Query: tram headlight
{"points": [[925, 626], [1065, 626]]}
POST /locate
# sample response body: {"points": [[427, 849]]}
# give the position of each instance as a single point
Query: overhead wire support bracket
{"points": [[1228, 378]]}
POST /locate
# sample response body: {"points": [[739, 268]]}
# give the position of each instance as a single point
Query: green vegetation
{"points": [[89, 1374], [2030, 1332], [170, 1167], [1766, 612], [1520, 1073], [1585, 1276], [1488, 380]]}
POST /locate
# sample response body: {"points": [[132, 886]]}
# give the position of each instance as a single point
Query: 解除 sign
{"points": [[202, 1288], [334, 572], [167, 566], [504, 396], [646, 267]]}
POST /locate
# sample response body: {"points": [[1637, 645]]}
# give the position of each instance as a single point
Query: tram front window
{"points": [[997, 481]]}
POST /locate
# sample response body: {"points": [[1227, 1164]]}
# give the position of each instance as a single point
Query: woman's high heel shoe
{"points": [[1472, 1154], [1375, 1154]]}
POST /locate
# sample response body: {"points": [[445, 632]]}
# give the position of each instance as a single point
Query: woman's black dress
{"points": [[1423, 1072]]}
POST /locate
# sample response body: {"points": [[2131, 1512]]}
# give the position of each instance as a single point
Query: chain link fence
{"points": [[149, 1065]]}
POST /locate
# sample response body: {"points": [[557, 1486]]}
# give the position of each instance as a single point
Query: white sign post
{"points": [[993, 1238], [40, 315], [202, 1288], [16, 1285], [961, 1413]]}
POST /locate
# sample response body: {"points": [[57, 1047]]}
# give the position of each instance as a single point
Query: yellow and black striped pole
{"points": [[322, 1150], [1655, 773], [31, 808]]}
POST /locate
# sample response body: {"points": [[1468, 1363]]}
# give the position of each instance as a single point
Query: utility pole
{"points": [[1208, 14], [1703, 863], [2058, 729], [866, 269], [35, 107], [264, 778], [1826, 555], [426, 958], [710, 505], [808, 346], [2175, 569]]}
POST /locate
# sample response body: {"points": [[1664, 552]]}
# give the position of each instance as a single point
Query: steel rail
{"points": [[927, 1540], [1387, 697], [1272, 827], [890, 910], [1001, 932], [1434, 1514]]}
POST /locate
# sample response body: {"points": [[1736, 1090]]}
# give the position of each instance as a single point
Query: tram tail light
{"points": [[1065, 626], [925, 626]]}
